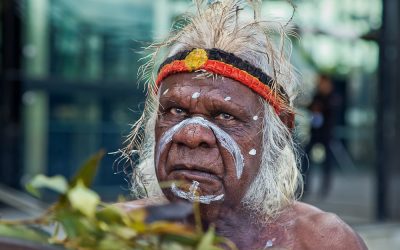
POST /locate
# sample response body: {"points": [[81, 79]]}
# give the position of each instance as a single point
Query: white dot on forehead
{"points": [[253, 152], [166, 91], [196, 95], [228, 98], [255, 118]]}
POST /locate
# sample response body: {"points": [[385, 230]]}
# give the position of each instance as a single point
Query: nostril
{"points": [[204, 145]]}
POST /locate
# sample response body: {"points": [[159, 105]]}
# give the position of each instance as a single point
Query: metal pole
{"points": [[10, 93], [387, 138]]}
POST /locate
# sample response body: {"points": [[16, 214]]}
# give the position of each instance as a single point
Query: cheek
{"points": [[252, 153], [160, 166]]}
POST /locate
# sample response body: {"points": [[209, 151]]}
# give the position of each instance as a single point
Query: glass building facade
{"points": [[79, 61]]}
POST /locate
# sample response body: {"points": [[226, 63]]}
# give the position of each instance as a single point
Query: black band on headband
{"points": [[230, 58]]}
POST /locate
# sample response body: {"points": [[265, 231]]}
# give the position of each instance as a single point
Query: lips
{"points": [[197, 172], [210, 183]]}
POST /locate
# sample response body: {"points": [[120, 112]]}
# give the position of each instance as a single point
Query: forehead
{"points": [[184, 85]]}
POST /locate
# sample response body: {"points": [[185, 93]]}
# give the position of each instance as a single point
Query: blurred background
{"points": [[68, 88]]}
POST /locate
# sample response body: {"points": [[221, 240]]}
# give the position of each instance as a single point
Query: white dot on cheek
{"points": [[228, 98], [166, 91], [255, 118], [195, 95], [253, 152]]}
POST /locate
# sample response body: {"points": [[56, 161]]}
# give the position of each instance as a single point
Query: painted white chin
{"points": [[191, 195]]}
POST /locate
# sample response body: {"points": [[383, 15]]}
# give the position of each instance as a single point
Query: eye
{"points": [[177, 111], [225, 117]]}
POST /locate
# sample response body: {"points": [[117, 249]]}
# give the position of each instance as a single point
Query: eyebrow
{"points": [[231, 107], [175, 97]]}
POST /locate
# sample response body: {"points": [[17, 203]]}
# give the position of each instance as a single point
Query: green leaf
{"points": [[87, 171], [207, 242], [125, 233], [76, 226], [56, 183], [181, 239], [23, 232], [83, 199], [110, 215], [109, 242]]}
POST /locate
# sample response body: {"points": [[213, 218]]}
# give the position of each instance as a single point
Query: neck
{"points": [[236, 224], [245, 229]]}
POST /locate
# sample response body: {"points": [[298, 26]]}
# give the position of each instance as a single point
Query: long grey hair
{"points": [[225, 25]]}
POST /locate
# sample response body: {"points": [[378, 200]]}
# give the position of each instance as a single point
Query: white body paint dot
{"points": [[166, 91], [255, 118], [195, 95], [253, 152], [269, 244], [228, 98]]}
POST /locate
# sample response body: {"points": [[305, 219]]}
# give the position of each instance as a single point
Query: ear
{"points": [[287, 117]]}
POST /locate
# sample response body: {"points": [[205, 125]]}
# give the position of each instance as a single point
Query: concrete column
{"points": [[162, 18], [35, 110]]}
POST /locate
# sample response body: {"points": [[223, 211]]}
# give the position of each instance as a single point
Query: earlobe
{"points": [[287, 118]]}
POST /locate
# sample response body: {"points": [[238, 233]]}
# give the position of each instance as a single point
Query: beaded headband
{"points": [[228, 65]]}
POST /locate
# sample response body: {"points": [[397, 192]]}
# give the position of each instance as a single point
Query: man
{"points": [[322, 108], [217, 129]]}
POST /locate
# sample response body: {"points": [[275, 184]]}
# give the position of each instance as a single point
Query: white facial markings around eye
{"points": [[253, 152], [166, 91], [196, 95]]}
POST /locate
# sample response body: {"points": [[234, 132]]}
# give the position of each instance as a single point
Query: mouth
{"points": [[198, 173], [209, 182]]}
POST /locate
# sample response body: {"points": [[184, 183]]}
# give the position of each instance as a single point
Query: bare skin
{"points": [[194, 154]]}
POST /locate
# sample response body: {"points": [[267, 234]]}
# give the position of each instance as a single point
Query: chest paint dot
{"points": [[228, 98], [253, 152], [255, 118], [196, 95]]}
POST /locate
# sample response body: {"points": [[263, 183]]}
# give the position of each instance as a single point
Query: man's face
{"points": [[195, 150]]}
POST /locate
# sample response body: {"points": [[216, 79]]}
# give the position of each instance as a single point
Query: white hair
{"points": [[278, 179], [219, 25]]}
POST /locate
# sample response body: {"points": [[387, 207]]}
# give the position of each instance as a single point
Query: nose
{"points": [[195, 135]]}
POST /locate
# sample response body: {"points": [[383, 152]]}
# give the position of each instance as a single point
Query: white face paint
{"points": [[224, 138], [192, 196], [255, 118], [228, 98], [253, 152], [166, 91], [195, 95], [269, 244]]}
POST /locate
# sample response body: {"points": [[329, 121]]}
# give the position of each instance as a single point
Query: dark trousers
{"points": [[306, 167]]}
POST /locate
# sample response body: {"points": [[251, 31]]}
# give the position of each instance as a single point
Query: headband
{"points": [[228, 65]]}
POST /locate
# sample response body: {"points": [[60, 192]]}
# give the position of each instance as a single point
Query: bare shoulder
{"points": [[316, 229], [142, 203]]}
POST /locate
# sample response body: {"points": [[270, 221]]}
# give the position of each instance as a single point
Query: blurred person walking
{"points": [[322, 110]]}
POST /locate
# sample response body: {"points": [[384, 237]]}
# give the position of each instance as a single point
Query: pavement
{"points": [[352, 197]]}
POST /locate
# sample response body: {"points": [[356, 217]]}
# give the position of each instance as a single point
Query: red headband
{"points": [[228, 65]]}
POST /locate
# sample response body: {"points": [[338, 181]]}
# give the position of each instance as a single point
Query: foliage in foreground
{"points": [[80, 221]]}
